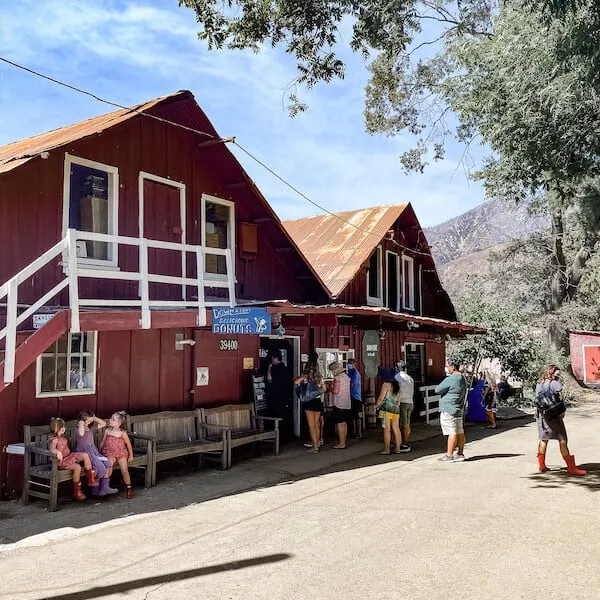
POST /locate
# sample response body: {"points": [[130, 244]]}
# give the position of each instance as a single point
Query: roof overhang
{"points": [[366, 317]]}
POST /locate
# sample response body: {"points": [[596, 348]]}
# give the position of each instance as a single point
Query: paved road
{"points": [[410, 529]]}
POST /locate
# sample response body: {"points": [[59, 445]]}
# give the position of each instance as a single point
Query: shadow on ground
{"points": [[560, 478], [159, 580], [183, 483]]}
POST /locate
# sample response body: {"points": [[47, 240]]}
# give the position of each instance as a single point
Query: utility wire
{"points": [[195, 131], [103, 100]]}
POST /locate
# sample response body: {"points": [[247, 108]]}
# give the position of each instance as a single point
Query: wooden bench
{"points": [[42, 475], [179, 433], [243, 424]]}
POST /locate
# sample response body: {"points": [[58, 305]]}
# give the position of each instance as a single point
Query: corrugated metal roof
{"points": [[288, 308], [18, 153], [335, 249]]}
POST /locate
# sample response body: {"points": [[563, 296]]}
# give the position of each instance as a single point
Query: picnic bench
{"points": [[42, 475], [178, 433], [243, 425]]}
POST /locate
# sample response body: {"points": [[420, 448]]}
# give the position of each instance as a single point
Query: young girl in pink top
{"points": [[59, 446], [116, 446]]}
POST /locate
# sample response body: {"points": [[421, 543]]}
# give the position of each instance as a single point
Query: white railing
{"points": [[74, 271], [432, 403]]}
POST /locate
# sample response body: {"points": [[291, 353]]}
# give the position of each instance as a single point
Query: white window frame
{"points": [[408, 300], [341, 356], [230, 234], [376, 300], [113, 206], [398, 280], [67, 392], [143, 176]]}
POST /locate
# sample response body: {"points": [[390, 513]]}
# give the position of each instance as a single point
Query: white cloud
{"points": [[135, 52]]}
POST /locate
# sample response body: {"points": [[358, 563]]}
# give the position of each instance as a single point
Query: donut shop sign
{"points": [[241, 321]]}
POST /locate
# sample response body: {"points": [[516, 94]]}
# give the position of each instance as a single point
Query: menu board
{"points": [[260, 397]]}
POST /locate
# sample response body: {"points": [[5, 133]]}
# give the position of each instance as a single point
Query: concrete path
{"points": [[360, 527]]}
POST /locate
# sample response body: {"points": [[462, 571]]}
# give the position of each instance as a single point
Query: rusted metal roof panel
{"points": [[289, 308], [337, 246], [15, 154]]}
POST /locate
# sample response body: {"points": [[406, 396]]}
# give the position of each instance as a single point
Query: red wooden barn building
{"points": [[125, 235]]}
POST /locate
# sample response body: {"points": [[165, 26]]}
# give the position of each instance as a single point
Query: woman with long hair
{"points": [[389, 405], [314, 406], [554, 428]]}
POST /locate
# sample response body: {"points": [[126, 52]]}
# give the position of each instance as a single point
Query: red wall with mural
{"points": [[585, 356]]}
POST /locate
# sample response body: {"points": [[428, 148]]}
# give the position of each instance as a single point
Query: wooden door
{"points": [[162, 221]]}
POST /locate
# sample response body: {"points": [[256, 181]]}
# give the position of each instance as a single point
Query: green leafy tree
{"points": [[510, 339]]}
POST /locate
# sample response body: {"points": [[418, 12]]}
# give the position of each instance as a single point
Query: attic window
{"points": [[408, 283], [90, 204], [375, 279], [218, 232]]}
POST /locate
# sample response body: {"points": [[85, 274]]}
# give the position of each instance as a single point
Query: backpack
{"points": [[549, 404]]}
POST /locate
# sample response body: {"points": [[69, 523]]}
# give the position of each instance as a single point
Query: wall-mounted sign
{"points": [[248, 363], [40, 320], [370, 353], [591, 364], [228, 345], [244, 321], [201, 376]]}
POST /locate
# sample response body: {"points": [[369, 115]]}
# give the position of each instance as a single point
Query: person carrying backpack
{"points": [[550, 420]]}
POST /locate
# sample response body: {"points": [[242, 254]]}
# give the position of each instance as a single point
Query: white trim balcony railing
{"points": [[74, 271]]}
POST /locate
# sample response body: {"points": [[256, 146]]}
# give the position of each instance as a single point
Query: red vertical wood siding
{"points": [[31, 203], [228, 381]]}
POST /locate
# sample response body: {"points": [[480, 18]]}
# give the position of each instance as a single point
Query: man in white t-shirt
{"points": [[407, 390]]}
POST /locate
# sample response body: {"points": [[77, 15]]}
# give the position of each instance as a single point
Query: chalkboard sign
{"points": [[260, 397]]}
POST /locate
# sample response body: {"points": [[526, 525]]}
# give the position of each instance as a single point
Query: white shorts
{"points": [[451, 425]]}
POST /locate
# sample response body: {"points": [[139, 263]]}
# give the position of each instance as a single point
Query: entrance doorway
{"points": [[289, 347], [415, 367]]}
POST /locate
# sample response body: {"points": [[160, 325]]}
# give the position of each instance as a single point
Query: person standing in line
{"points": [[553, 429], [279, 394], [313, 406], [342, 404], [388, 405], [407, 392], [356, 395], [453, 391]]}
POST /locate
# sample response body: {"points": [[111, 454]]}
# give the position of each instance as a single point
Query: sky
{"points": [[130, 52]]}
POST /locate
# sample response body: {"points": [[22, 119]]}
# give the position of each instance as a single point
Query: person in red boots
{"points": [[59, 446], [553, 428]]}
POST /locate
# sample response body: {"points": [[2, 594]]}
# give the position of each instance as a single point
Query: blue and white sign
{"points": [[244, 321]]}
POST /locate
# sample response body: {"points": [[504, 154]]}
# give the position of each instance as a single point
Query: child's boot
{"points": [[572, 469], [129, 492], [104, 488], [77, 493], [91, 477]]}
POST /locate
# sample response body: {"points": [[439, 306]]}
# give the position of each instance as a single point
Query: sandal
{"points": [[338, 447], [384, 453]]}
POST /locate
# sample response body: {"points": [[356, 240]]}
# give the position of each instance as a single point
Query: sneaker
{"points": [[459, 458], [405, 448], [447, 458], [320, 442], [308, 445]]}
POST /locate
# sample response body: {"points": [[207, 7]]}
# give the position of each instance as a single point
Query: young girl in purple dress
{"points": [[86, 423]]}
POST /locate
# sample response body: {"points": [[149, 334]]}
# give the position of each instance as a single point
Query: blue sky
{"points": [[129, 52]]}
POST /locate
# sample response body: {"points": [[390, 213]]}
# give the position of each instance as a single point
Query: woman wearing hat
{"points": [[389, 405]]}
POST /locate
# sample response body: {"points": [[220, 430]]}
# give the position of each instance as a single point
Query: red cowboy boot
{"points": [[542, 468], [91, 477], [77, 493], [572, 469]]}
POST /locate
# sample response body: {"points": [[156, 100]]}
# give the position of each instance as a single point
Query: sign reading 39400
{"points": [[228, 345]]}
